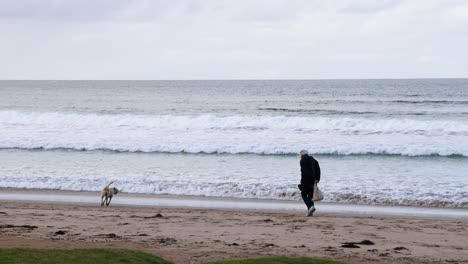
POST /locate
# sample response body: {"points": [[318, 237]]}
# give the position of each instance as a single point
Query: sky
{"points": [[233, 39]]}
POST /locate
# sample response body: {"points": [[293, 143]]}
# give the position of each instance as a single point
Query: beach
{"points": [[209, 170], [196, 234]]}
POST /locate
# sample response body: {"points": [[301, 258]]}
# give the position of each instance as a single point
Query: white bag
{"points": [[318, 194]]}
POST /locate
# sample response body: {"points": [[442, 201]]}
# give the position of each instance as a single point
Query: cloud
{"points": [[59, 10], [370, 6], [232, 39]]}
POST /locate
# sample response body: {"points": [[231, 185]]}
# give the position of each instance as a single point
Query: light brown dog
{"points": [[107, 193]]}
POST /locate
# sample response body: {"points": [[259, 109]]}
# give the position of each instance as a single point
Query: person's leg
{"points": [[311, 195], [307, 199], [311, 207]]}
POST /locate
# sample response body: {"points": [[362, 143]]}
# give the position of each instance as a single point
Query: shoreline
{"points": [[227, 203]]}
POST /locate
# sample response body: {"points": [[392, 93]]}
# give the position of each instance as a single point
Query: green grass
{"points": [[116, 256], [279, 260], [76, 256]]}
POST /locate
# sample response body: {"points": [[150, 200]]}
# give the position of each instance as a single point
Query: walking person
{"points": [[310, 175]]}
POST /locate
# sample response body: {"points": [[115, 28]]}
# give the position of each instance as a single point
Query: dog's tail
{"points": [[107, 186]]}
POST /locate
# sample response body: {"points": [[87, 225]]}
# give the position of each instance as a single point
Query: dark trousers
{"points": [[307, 195]]}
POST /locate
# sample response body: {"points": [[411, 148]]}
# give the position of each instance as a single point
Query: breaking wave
{"points": [[458, 199], [272, 135]]}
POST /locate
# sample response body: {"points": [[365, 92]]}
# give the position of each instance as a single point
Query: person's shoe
{"points": [[311, 211]]}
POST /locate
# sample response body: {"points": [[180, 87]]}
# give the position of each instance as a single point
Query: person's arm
{"points": [[316, 168]]}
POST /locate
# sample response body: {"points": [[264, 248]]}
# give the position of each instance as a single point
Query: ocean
{"points": [[383, 142]]}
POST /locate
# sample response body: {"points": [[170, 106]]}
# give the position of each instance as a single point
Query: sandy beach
{"points": [[195, 235]]}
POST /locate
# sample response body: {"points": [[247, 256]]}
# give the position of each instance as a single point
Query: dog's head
{"points": [[115, 190]]}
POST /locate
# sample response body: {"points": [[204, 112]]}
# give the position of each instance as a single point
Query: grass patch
{"points": [[76, 256], [279, 260], [117, 256]]}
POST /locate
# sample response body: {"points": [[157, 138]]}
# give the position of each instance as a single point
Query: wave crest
{"points": [[276, 135]]}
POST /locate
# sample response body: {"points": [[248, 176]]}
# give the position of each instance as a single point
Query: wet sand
{"points": [[195, 235], [264, 205]]}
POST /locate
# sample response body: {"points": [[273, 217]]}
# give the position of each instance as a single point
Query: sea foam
{"points": [[274, 135]]}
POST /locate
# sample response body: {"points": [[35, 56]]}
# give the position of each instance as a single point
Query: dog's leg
{"points": [[102, 200], [110, 198]]}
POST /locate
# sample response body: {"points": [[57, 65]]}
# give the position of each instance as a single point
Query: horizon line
{"points": [[280, 79]]}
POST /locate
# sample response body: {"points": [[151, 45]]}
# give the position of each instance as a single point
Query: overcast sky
{"points": [[214, 39]]}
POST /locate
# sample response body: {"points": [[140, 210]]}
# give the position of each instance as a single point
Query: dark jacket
{"points": [[310, 170]]}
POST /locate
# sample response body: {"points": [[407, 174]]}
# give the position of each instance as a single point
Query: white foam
{"points": [[232, 134], [246, 189]]}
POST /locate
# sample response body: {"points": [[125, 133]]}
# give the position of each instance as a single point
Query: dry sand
{"points": [[198, 235]]}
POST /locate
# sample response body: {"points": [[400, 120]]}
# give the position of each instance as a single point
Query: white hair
{"points": [[303, 152]]}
